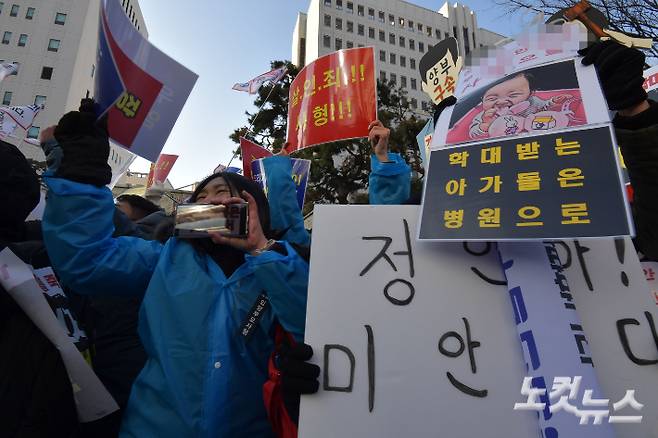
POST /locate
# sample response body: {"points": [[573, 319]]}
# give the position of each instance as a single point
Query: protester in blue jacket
{"points": [[203, 324], [390, 175]]}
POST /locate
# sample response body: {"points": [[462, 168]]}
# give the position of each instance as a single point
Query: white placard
{"points": [[413, 394]]}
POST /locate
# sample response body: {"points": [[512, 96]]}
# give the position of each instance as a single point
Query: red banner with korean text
{"points": [[160, 169], [333, 98]]}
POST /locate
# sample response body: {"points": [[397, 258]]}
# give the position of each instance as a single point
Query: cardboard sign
{"points": [[160, 170], [542, 187], [139, 90], [119, 160], [531, 101], [651, 82], [300, 172], [424, 141], [439, 70], [418, 338], [333, 98]]}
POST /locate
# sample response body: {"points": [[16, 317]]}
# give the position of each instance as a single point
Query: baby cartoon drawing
{"points": [[508, 106]]}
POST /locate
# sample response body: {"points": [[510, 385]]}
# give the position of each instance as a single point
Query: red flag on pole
{"points": [[250, 152]]}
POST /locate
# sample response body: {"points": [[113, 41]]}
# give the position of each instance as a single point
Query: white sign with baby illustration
{"points": [[551, 96]]}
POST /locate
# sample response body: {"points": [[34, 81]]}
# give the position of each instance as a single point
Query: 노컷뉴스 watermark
{"points": [[565, 390]]}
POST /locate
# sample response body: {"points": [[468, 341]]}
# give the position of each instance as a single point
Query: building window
{"points": [[339, 24], [53, 45], [29, 14], [339, 5], [361, 29], [474, 43], [326, 41], [6, 38], [2, 4], [412, 45], [410, 25], [428, 31], [382, 76], [403, 81], [466, 44], [382, 35], [338, 44], [454, 31], [93, 67], [401, 21], [403, 61], [327, 2], [381, 17], [437, 34], [22, 40], [47, 73], [413, 85], [391, 38], [424, 105], [33, 132], [350, 45], [14, 10], [391, 58], [420, 27], [60, 18], [350, 7], [414, 102], [421, 46], [402, 41], [359, 11], [350, 27], [394, 79], [6, 99], [382, 55], [327, 20], [371, 14], [371, 32], [360, 45], [412, 63], [40, 100], [447, 35], [391, 20]]}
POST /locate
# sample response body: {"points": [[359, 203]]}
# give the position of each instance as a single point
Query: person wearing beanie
{"points": [[209, 311], [36, 398]]}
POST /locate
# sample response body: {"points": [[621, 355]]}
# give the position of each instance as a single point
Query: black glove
{"points": [[445, 103], [297, 376], [85, 147], [620, 71]]}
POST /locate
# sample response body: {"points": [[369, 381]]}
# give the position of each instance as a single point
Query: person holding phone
{"points": [[210, 305]]}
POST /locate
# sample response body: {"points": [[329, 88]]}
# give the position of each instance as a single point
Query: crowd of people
{"points": [[204, 337]]}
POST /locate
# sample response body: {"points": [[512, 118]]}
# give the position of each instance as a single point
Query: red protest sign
{"points": [[160, 169], [250, 152], [333, 98]]}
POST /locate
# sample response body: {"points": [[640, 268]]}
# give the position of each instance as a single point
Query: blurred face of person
{"points": [[217, 191], [507, 94], [127, 209]]}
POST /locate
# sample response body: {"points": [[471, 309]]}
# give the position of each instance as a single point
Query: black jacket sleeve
{"points": [[638, 140]]}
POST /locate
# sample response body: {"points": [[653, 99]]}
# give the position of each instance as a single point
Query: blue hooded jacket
{"points": [[202, 378]]}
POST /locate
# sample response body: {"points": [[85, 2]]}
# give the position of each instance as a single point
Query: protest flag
{"points": [[250, 152], [8, 69], [140, 91], [160, 169], [254, 85]]}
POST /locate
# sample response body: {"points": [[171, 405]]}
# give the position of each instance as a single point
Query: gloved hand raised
{"points": [[77, 149], [620, 71], [297, 376]]}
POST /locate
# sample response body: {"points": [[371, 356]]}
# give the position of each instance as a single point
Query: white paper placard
{"points": [[413, 394]]}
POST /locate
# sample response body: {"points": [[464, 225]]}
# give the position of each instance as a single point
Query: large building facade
{"points": [[400, 32], [55, 42]]}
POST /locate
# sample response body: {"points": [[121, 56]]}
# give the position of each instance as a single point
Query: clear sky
{"points": [[229, 41]]}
